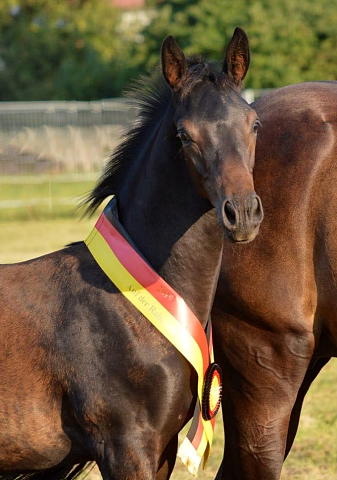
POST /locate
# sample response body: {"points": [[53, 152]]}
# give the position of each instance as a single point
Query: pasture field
{"points": [[43, 197], [29, 232]]}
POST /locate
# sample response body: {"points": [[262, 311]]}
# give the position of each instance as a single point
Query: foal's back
{"points": [[33, 313]]}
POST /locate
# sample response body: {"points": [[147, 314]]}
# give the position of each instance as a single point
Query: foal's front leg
{"points": [[128, 454], [133, 458], [136, 461], [168, 460]]}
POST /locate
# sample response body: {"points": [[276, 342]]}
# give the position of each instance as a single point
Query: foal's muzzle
{"points": [[242, 217]]}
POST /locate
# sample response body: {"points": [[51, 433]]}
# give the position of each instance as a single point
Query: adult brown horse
{"points": [[83, 375], [275, 314]]}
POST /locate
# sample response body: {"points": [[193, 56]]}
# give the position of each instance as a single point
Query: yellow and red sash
{"points": [[111, 247]]}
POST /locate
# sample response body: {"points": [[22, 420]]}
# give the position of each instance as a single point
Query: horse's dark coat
{"points": [[275, 316], [83, 375]]}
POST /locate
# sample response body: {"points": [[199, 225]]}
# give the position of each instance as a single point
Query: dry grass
{"points": [[57, 149]]}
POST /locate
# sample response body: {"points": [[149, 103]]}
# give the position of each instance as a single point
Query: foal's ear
{"points": [[173, 63], [237, 57]]}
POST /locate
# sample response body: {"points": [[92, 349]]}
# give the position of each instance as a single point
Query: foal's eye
{"points": [[185, 139], [257, 124]]}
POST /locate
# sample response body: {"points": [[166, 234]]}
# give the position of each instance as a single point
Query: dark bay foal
{"points": [[83, 375]]}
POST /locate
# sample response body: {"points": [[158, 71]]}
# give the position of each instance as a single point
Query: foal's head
{"points": [[217, 130]]}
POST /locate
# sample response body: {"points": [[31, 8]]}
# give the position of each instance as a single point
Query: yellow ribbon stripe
{"points": [[157, 314]]}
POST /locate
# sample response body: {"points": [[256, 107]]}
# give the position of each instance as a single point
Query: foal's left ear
{"points": [[173, 63], [237, 57]]}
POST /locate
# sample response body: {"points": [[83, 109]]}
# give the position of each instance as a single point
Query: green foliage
{"points": [[290, 41], [68, 49], [86, 49]]}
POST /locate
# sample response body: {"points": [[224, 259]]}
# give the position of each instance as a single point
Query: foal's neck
{"points": [[176, 229]]}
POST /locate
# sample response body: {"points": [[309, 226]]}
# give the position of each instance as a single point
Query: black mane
{"points": [[151, 96]]}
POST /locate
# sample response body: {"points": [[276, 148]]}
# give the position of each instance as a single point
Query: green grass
{"points": [[43, 197], [314, 454], [20, 241], [40, 214]]}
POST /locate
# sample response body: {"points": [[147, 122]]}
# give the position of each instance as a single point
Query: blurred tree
{"points": [[65, 49], [291, 41], [86, 49]]}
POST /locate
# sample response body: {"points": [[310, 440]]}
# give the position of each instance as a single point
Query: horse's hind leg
{"points": [[315, 367]]}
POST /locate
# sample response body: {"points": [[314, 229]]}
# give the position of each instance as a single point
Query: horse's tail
{"points": [[57, 473]]}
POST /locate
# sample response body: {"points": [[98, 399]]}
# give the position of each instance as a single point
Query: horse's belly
{"points": [[31, 436]]}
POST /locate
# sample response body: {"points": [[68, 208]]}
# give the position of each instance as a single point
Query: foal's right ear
{"points": [[237, 57], [173, 63]]}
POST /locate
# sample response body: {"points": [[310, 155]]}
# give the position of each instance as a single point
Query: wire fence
{"points": [[59, 137], [51, 152]]}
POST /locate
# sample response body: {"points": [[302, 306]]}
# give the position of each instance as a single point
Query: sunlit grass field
{"points": [[27, 232], [43, 197]]}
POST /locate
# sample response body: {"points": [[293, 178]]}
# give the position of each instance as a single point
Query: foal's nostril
{"points": [[242, 217], [255, 206], [256, 210], [229, 212]]}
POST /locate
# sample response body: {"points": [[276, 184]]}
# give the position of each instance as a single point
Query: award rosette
{"points": [[211, 397]]}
